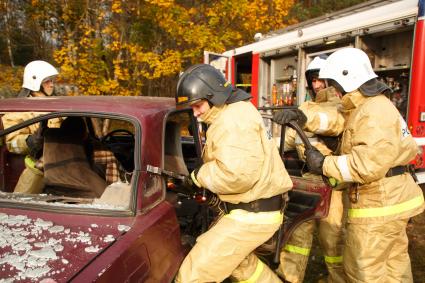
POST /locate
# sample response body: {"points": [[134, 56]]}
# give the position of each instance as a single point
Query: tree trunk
{"points": [[7, 35]]}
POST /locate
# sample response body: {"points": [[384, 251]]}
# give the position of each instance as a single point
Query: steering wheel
{"points": [[110, 136]]}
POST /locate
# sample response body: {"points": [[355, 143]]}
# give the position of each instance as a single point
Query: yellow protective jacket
{"points": [[16, 141], [376, 138], [241, 162], [323, 117]]}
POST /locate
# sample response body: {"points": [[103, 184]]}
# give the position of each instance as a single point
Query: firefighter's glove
{"points": [[287, 115], [331, 142], [36, 140], [190, 182], [35, 145], [315, 161]]}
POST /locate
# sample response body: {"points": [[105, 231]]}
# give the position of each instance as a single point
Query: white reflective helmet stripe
{"points": [[343, 168], [254, 277], [324, 122], [386, 210], [297, 250]]}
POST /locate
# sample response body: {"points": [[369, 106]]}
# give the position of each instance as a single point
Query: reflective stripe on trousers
{"points": [[297, 250], [226, 249], [271, 217], [333, 259], [386, 210], [256, 274], [306, 252]]}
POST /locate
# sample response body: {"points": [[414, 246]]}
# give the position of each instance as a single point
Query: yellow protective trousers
{"points": [[377, 252], [294, 255], [31, 180], [225, 250]]}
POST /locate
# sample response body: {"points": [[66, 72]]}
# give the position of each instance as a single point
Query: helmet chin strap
{"points": [[24, 92]]}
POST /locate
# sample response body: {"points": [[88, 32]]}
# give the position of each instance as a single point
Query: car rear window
{"points": [[74, 161]]}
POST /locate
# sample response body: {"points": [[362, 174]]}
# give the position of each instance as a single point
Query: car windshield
{"points": [[69, 161]]}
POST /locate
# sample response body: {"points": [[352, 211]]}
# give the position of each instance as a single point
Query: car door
{"points": [[310, 197]]}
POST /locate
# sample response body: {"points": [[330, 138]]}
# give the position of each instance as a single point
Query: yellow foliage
{"points": [[10, 80], [120, 45], [116, 6]]}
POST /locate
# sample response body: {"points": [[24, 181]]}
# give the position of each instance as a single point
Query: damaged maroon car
{"points": [[111, 208]]}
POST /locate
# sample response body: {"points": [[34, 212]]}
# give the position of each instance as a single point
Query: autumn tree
{"points": [[308, 9], [123, 47], [137, 47]]}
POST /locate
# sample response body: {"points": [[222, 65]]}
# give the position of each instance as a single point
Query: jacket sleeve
{"points": [[16, 141], [375, 147], [290, 135], [323, 118], [237, 161]]}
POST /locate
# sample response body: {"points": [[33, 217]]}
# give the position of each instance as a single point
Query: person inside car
{"points": [[243, 168], [38, 81], [323, 107], [374, 155]]}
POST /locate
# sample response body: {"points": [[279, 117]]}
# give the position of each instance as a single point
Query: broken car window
{"points": [[64, 160]]}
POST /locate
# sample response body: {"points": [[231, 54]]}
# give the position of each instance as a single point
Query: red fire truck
{"points": [[390, 32]]}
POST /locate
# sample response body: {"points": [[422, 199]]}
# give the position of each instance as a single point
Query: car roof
{"points": [[136, 106]]}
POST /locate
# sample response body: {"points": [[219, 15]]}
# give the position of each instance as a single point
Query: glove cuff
{"points": [[194, 179]]}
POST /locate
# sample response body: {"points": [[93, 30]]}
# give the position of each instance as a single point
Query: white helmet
{"points": [[35, 72], [317, 63], [313, 69], [349, 67]]}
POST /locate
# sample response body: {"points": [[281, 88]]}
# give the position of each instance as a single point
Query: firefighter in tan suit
{"points": [[38, 81], [322, 121], [375, 151], [243, 167]]}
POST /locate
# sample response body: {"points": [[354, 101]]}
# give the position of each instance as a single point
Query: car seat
{"points": [[67, 169]]}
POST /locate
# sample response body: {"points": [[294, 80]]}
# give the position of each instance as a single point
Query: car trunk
{"points": [[41, 245]]}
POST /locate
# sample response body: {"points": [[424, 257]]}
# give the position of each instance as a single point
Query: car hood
{"points": [[37, 246]]}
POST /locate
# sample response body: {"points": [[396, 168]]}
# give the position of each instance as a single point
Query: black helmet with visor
{"points": [[202, 81]]}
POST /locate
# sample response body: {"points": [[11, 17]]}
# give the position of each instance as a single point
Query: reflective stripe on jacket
{"points": [[241, 162], [376, 139], [323, 117]]}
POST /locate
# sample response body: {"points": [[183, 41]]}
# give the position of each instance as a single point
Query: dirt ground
{"points": [[316, 268]]}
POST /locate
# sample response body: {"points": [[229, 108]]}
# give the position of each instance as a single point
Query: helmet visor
{"points": [[310, 75], [184, 101]]}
